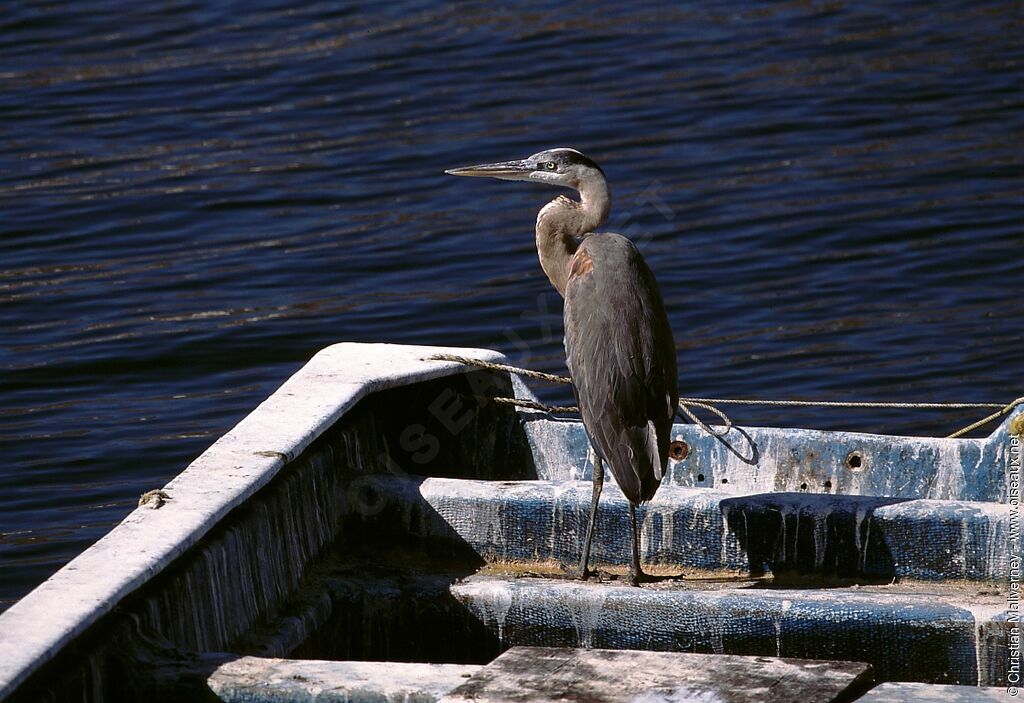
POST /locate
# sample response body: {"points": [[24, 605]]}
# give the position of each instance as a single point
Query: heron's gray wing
{"points": [[621, 357]]}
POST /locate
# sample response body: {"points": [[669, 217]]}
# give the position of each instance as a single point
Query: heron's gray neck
{"points": [[561, 222]]}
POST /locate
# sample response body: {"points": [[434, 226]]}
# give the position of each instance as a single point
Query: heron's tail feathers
{"points": [[637, 463]]}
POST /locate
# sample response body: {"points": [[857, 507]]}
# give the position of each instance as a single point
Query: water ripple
{"points": [[197, 198]]}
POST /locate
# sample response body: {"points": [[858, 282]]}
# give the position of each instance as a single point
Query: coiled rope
{"points": [[710, 403]]}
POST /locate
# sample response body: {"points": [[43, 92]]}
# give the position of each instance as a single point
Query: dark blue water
{"points": [[195, 199]]}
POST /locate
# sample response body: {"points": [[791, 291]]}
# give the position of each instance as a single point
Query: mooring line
{"points": [[985, 420], [710, 403]]}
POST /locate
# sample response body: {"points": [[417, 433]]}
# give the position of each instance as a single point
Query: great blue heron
{"points": [[618, 342]]}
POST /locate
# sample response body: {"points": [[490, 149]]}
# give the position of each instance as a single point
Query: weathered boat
{"points": [[381, 507]]}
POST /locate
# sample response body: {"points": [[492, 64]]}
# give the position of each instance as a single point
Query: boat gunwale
{"points": [[39, 626]]}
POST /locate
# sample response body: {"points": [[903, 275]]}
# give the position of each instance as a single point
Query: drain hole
{"points": [[700, 477], [828, 484], [725, 480], [855, 460], [803, 486], [678, 450]]}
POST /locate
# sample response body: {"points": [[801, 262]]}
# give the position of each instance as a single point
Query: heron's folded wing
{"points": [[622, 359]]}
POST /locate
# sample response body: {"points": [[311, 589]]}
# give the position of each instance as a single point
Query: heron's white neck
{"points": [[562, 221]]}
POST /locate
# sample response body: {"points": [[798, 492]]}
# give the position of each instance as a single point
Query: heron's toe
{"points": [[637, 577]]}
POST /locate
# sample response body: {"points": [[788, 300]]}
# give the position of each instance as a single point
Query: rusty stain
{"points": [[678, 450]]}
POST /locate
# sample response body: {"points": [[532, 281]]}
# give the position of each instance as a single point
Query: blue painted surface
{"points": [[770, 459], [903, 636], [868, 539], [909, 507]]}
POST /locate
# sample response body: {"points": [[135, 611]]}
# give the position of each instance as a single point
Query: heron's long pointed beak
{"points": [[507, 170]]}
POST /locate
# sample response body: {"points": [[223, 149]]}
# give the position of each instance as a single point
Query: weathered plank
{"points": [[254, 679], [529, 674], [932, 693], [941, 633]]}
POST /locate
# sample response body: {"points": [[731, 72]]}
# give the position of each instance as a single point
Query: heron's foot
{"points": [[638, 576], [599, 575]]}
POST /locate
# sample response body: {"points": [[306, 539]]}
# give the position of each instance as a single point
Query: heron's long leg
{"points": [[594, 498], [636, 574]]}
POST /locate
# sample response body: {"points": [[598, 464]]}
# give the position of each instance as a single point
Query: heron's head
{"points": [[559, 167]]}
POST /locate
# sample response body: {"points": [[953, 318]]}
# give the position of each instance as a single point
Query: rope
{"points": [[985, 420], [552, 378], [534, 405], [539, 375], [154, 499], [851, 403], [710, 403], [726, 420]]}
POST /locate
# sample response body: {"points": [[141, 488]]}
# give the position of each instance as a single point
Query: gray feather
{"points": [[621, 356]]}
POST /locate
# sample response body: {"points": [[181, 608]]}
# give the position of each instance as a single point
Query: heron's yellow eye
{"points": [[551, 165]]}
